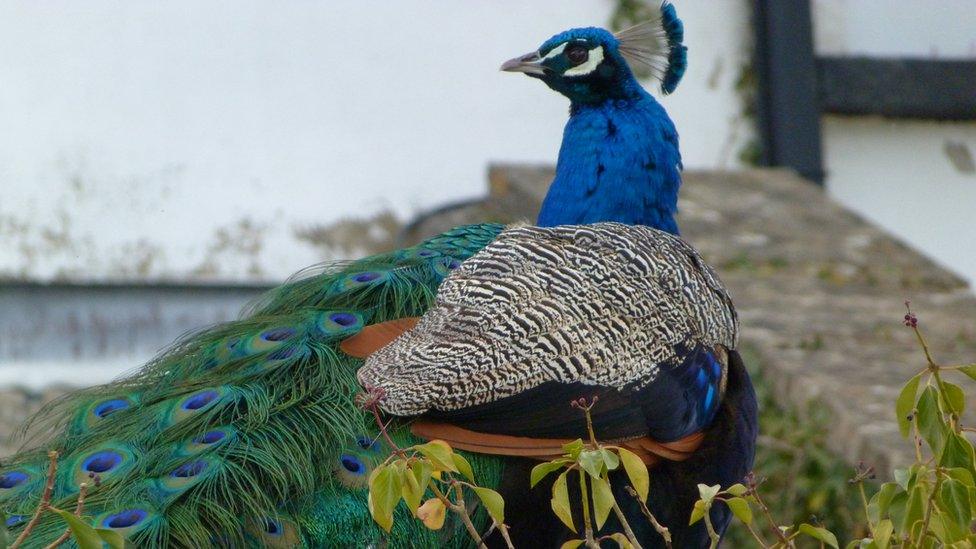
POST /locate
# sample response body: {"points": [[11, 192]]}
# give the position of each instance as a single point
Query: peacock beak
{"points": [[530, 63]]}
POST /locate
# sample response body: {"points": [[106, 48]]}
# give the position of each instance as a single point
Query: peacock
{"points": [[247, 434]]}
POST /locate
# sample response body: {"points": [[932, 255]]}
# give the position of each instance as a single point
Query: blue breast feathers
{"points": [[619, 161]]}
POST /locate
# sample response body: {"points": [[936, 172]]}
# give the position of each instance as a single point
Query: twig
{"points": [[626, 525], [588, 527], [371, 401], [461, 511], [52, 469], [82, 492], [754, 488], [712, 535], [661, 529], [931, 504]]}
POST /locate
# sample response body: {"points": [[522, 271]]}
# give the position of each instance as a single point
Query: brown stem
{"points": [[769, 517], [626, 525], [755, 534], [52, 469], [925, 347], [930, 505], [461, 511], [82, 492], [712, 535], [504, 532], [587, 526], [374, 407], [864, 502], [661, 529]]}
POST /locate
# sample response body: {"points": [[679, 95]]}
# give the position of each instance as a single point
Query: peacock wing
{"points": [[543, 316]]}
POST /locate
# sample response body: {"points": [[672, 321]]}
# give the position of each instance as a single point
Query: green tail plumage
{"points": [[245, 434]]}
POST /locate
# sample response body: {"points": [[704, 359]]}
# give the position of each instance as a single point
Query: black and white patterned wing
{"points": [[545, 315]]}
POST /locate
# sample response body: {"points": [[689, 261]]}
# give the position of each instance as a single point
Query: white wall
{"points": [[148, 140], [901, 174]]}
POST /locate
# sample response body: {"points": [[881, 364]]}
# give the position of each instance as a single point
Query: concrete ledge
{"points": [[820, 292]]}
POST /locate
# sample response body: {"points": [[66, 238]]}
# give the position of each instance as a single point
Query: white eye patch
{"points": [[555, 51], [592, 62]]}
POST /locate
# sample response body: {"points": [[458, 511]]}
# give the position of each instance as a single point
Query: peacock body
{"points": [[247, 434]]}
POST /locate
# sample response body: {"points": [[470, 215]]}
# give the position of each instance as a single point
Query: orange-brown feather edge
{"points": [[649, 450], [376, 336]]}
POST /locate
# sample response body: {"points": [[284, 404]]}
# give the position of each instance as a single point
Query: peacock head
{"points": [[592, 65]]}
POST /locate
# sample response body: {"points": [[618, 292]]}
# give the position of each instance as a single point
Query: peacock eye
{"points": [[577, 54]]}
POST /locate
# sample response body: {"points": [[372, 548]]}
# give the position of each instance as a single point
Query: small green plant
{"points": [[931, 502], [594, 462], [740, 498], [430, 479]]}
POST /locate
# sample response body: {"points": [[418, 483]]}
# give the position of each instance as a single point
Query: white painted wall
{"points": [[189, 140], [900, 173]]}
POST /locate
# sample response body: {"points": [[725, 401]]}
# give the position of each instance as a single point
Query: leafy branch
{"points": [[432, 471]]}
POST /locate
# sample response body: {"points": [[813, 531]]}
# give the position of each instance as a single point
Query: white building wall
{"points": [[187, 140], [191, 140], [915, 178]]}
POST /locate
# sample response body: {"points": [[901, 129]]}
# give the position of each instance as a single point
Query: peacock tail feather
{"points": [[245, 434]]}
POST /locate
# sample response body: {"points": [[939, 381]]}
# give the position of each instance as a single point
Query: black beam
{"points": [[788, 109], [898, 88]]}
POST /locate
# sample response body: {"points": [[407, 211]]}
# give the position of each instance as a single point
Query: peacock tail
{"points": [[244, 434]]}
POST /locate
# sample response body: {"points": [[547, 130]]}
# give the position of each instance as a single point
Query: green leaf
{"points": [[463, 466], [602, 500], [740, 508], [882, 533], [956, 397], [572, 544], [898, 507], [901, 477], [439, 454], [818, 533], [621, 540], [962, 475], [958, 452], [542, 470], [385, 490], [905, 404], [914, 508], [707, 492], [574, 448], [432, 513], [413, 490], [493, 502], [592, 462], [969, 370], [930, 422], [954, 496], [882, 500], [83, 533], [560, 501], [111, 538], [698, 512], [636, 471], [610, 459], [737, 489]]}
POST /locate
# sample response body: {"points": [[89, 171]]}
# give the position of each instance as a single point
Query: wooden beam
{"points": [[788, 109], [898, 88]]}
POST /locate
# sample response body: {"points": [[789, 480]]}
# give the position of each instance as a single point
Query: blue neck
{"points": [[619, 161]]}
